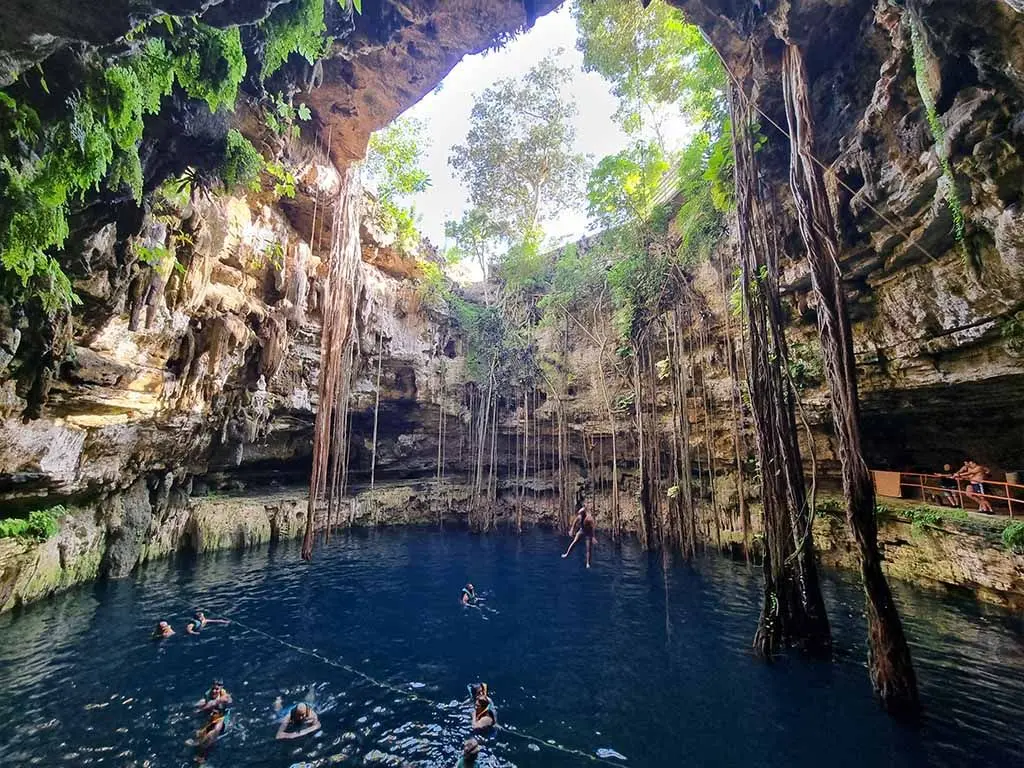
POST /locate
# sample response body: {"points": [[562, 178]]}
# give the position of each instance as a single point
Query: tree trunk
{"points": [[889, 662]]}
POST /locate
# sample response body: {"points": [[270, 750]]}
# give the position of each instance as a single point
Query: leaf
{"points": [[304, 113], [42, 79]]}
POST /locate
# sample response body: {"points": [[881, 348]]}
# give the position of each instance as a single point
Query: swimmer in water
{"points": [[470, 752], [163, 629], [207, 736], [583, 526], [301, 721], [483, 708], [216, 698], [199, 621], [468, 595]]}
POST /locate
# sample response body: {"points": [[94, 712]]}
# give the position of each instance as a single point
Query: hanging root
{"points": [[340, 294]]}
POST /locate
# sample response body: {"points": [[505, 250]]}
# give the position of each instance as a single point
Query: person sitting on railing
{"points": [[975, 475], [947, 482]]}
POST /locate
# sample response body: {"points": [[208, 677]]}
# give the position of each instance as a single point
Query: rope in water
{"points": [[412, 696]]}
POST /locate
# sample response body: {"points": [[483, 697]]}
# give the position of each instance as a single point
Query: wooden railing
{"points": [[1005, 498]]}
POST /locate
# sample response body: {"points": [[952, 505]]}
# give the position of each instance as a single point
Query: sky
{"points": [[446, 110]]}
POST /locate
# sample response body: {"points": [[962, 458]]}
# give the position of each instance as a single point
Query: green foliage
{"points": [[517, 162], [153, 256], [394, 157], [272, 255], [638, 279], [432, 285], [242, 163], [475, 236], [46, 168], [41, 525], [652, 57], [1012, 331], [939, 135], [705, 181], [806, 366], [295, 27], [830, 506], [924, 518], [524, 269], [209, 64], [282, 117], [1013, 537], [393, 163], [493, 341], [625, 186], [401, 222], [283, 179], [578, 280]]}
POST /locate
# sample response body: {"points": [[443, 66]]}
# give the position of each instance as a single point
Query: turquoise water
{"points": [[649, 663]]}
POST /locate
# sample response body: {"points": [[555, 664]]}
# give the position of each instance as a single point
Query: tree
{"points": [[656, 61], [624, 186], [517, 161], [393, 161], [476, 237]]}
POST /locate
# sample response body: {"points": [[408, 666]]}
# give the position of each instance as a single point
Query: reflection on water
{"points": [[628, 658]]}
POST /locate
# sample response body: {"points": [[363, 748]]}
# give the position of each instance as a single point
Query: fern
{"points": [[209, 64], [296, 27], [242, 163], [939, 136]]}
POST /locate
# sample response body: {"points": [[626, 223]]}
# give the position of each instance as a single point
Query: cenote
{"points": [[648, 660]]}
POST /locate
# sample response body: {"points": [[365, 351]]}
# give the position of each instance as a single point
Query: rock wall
{"points": [[201, 379]]}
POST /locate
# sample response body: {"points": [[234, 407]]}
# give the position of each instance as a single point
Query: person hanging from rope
{"points": [[301, 721], [584, 526], [200, 620], [468, 594], [470, 752], [484, 715], [215, 698]]}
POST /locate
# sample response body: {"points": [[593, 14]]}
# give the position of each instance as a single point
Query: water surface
{"points": [[628, 656]]}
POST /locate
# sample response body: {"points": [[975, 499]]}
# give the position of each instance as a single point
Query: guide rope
{"points": [[413, 696]]}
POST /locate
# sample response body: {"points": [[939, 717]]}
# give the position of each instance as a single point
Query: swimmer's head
{"points": [[471, 748], [300, 712], [479, 690], [200, 615], [162, 626], [469, 587]]}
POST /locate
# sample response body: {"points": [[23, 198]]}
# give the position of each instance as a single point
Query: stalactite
{"points": [[340, 294], [889, 660], [793, 611]]}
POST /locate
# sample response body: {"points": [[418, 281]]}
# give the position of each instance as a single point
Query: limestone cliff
{"points": [[182, 381]]}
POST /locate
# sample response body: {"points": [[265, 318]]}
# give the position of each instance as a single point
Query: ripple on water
{"points": [[641, 664]]}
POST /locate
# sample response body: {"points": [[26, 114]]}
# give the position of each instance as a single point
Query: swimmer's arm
{"points": [[190, 629], [312, 728], [218, 621], [572, 528]]}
